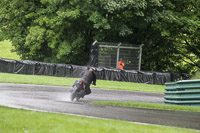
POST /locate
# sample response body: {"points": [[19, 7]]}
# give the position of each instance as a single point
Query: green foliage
{"points": [[174, 48], [62, 31]]}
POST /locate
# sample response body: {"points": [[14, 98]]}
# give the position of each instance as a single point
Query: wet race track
{"points": [[56, 99]]}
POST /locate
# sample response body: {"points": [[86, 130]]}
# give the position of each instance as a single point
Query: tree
{"points": [[62, 31], [50, 31], [177, 47]]}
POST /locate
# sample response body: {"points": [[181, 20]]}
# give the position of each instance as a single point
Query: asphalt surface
{"points": [[56, 99]]}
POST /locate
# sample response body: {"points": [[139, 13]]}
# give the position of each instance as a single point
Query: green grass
{"points": [[23, 121], [35, 79], [148, 105], [60, 81], [5, 50], [131, 86]]}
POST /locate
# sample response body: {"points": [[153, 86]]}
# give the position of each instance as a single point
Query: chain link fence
{"points": [[104, 54]]}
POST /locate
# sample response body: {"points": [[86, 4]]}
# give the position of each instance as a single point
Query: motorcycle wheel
{"points": [[73, 94]]}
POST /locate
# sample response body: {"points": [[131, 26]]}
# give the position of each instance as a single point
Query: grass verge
{"points": [[61, 81], [148, 105], [23, 121]]}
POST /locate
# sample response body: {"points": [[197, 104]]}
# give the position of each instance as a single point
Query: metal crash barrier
{"points": [[184, 92]]}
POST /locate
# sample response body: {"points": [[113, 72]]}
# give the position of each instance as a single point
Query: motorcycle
{"points": [[77, 91]]}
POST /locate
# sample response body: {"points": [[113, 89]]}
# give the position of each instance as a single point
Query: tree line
{"points": [[62, 31]]}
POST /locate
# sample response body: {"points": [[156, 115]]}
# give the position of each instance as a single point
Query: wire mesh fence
{"points": [[108, 55]]}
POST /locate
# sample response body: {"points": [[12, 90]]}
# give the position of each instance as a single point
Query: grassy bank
{"points": [[60, 81], [6, 51], [23, 121]]}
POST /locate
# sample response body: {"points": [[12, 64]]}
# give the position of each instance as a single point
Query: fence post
{"points": [[140, 58], [118, 49]]}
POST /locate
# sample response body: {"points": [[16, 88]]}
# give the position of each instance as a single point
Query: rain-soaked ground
{"points": [[56, 99]]}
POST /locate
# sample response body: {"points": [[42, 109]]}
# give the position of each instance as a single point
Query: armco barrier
{"points": [[67, 70], [184, 92]]}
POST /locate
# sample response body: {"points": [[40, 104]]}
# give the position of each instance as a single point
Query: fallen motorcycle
{"points": [[77, 91]]}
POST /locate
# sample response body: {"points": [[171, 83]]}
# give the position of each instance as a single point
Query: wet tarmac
{"points": [[56, 99]]}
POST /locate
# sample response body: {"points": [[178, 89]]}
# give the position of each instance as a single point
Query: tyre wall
{"points": [[65, 70]]}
